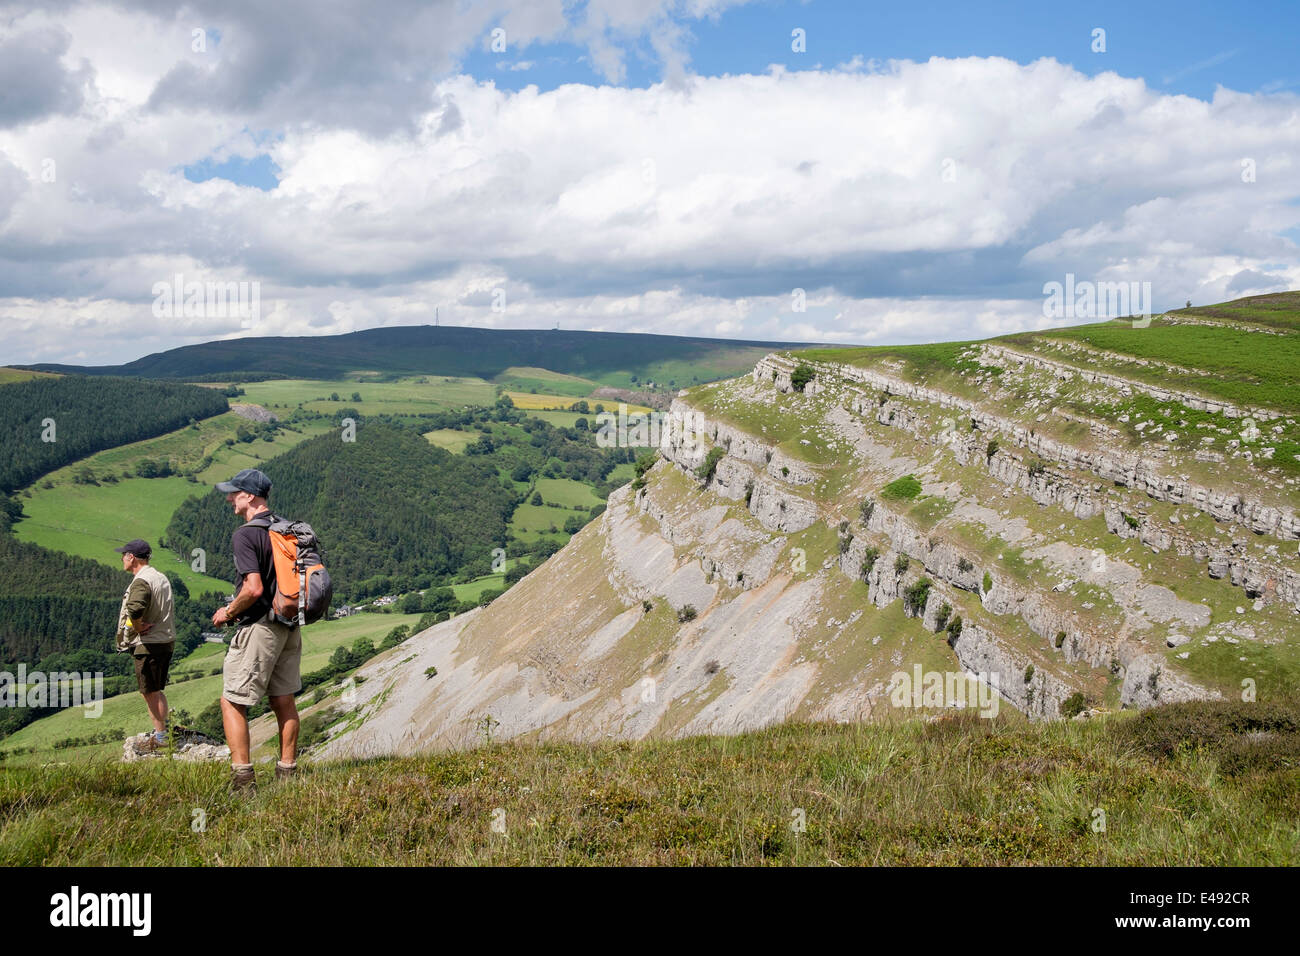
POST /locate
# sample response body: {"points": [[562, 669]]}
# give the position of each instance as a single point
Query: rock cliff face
{"points": [[798, 582], [1062, 487], [1128, 470]]}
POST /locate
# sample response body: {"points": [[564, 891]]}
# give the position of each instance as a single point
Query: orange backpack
{"points": [[303, 589]]}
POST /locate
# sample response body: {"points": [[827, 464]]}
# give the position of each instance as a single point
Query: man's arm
{"points": [[250, 589], [138, 597]]}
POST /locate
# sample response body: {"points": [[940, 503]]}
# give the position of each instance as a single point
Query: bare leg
{"points": [[157, 704], [235, 722], [286, 715]]}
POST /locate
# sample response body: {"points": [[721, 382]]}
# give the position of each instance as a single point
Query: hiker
{"points": [[264, 653], [146, 629]]}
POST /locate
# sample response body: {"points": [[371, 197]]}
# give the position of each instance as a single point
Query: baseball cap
{"points": [[137, 547], [250, 480]]}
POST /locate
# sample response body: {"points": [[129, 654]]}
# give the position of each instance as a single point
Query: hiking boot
{"points": [[283, 772], [241, 779]]}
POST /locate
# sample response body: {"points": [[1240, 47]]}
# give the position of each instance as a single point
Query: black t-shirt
{"points": [[252, 546]]}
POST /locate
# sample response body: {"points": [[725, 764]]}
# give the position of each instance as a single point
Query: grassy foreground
{"points": [[1187, 784]]}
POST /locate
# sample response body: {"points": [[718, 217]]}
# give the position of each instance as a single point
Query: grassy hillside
{"points": [[10, 375], [90, 520], [1281, 310], [610, 358], [49, 422], [1246, 368], [1245, 352], [1202, 784]]}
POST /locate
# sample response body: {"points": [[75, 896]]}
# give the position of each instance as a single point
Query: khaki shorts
{"points": [[263, 660]]}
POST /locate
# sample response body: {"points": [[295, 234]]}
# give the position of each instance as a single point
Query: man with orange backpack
{"points": [[266, 650]]}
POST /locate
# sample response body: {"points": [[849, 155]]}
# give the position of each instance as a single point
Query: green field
{"points": [[127, 712], [452, 439], [429, 393], [562, 419], [622, 473], [11, 375], [91, 520], [525, 378], [532, 519], [567, 492], [473, 590], [1248, 367], [1280, 310]]}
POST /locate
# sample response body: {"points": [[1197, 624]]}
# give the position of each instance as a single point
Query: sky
{"points": [[836, 172]]}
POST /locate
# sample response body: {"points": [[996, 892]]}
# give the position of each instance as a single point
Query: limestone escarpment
{"points": [[1131, 471], [1062, 487], [788, 584]]}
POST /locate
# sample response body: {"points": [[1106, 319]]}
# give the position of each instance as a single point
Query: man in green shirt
{"points": [[145, 628]]}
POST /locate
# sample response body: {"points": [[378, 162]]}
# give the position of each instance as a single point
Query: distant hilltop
{"points": [[437, 350]]}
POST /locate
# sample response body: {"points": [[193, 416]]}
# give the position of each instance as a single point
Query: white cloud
{"points": [[912, 201]]}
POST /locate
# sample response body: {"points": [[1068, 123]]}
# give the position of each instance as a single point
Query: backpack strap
{"points": [[264, 520]]}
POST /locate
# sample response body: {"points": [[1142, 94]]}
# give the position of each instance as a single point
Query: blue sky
{"points": [[1186, 48], [921, 172], [1179, 48]]}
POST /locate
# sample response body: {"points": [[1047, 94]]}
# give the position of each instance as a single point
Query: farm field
{"points": [[414, 394], [90, 521], [623, 472], [530, 401], [452, 439], [561, 419], [531, 522], [567, 492], [473, 590]]}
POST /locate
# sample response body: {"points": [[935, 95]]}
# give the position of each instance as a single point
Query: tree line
{"points": [[51, 422]]}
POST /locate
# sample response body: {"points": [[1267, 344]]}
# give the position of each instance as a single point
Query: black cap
{"points": [[137, 547], [250, 480]]}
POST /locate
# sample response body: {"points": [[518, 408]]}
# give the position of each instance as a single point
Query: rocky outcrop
{"points": [[687, 435], [187, 745], [1033, 690], [1257, 578], [737, 555], [1063, 631], [1047, 484], [1131, 471], [949, 564], [778, 510], [1149, 682], [254, 413]]}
